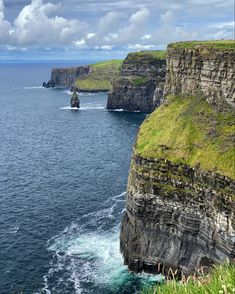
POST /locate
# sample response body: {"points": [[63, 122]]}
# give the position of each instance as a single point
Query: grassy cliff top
{"points": [[115, 63], [157, 54], [101, 75], [188, 130], [217, 44]]}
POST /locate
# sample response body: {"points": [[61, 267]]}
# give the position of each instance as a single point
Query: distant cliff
{"points": [[65, 77], [93, 77], [141, 74], [180, 207]]}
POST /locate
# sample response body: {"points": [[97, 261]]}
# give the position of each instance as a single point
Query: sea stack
{"points": [[75, 102]]}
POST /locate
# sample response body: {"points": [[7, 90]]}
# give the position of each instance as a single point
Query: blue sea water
{"points": [[63, 177]]}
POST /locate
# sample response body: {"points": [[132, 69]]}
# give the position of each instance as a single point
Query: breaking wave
{"points": [[86, 255]]}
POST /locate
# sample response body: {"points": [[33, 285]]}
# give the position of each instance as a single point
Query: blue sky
{"points": [[102, 29]]}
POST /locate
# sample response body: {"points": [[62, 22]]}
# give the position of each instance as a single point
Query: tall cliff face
{"points": [[140, 74], [176, 217], [65, 77], [180, 207], [202, 69]]}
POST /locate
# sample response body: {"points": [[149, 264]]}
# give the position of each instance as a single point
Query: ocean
{"points": [[63, 177]]}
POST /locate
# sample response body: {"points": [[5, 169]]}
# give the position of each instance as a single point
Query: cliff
{"points": [[140, 74], [100, 76], [93, 77], [206, 67], [180, 207], [65, 77]]}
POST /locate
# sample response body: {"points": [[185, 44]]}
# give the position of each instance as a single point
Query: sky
{"points": [[105, 29]]}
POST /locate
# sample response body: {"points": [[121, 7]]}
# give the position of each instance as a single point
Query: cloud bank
{"points": [[111, 25]]}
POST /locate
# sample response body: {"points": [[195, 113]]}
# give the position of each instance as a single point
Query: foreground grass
{"points": [[188, 130], [217, 44], [220, 281], [101, 75]]}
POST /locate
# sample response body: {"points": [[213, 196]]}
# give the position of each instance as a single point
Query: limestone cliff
{"points": [[202, 68], [65, 77], [180, 207], [134, 90]]}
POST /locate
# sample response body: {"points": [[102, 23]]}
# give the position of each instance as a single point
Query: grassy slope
{"points": [[188, 130], [100, 76], [220, 280], [217, 44], [157, 54]]}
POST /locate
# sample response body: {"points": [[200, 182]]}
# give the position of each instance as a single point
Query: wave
{"points": [[122, 110], [35, 87], [82, 93], [69, 108], [86, 255], [83, 108]]}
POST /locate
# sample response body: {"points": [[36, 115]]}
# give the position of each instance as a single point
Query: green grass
{"points": [[138, 81], [157, 54], [188, 130], [101, 75], [220, 281], [217, 44]]}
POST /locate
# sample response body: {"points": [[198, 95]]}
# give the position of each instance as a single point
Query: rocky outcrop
{"points": [[176, 217], [74, 101], [65, 77], [134, 90], [202, 69]]}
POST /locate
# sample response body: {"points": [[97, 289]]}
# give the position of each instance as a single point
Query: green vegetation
{"points": [[217, 44], [157, 54], [101, 75], [188, 130], [219, 281], [138, 81]]}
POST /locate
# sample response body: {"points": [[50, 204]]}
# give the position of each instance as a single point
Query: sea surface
{"points": [[63, 176]]}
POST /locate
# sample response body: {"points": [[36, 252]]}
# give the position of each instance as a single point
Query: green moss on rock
{"points": [[188, 130]]}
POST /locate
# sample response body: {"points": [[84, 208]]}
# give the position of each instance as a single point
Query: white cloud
{"points": [[141, 47], [5, 26], [80, 43], [224, 25], [103, 47], [90, 35], [146, 37], [114, 24], [109, 22]]}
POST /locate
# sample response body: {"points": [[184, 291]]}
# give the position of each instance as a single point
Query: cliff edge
{"points": [[180, 207], [141, 73]]}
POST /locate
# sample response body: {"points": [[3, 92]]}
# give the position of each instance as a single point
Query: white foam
{"points": [[83, 108], [14, 230], [82, 93], [69, 108], [68, 92], [35, 87], [87, 253], [91, 107], [122, 110]]}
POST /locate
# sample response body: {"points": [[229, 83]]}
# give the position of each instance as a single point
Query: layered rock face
{"points": [[180, 207], [202, 69], [141, 73], [65, 77], [176, 217]]}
